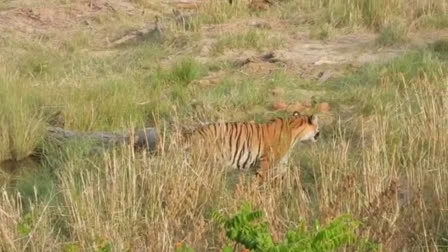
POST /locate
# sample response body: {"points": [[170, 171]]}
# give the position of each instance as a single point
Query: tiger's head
{"points": [[305, 128]]}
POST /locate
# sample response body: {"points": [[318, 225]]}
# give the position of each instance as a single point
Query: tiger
{"points": [[248, 144]]}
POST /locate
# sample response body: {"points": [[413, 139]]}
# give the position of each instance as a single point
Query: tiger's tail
{"points": [[186, 134]]}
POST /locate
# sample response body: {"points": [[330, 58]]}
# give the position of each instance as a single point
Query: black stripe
{"points": [[281, 126], [249, 145], [233, 131], [295, 138], [242, 151], [274, 133], [249, 155], [259, 131], [214, 129], [244, 145], [230, 137], [279, 137], [237, 145], [297, 123], [202, 132]]}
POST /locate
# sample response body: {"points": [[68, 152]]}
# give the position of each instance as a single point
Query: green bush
{"points": [[247, 228]]}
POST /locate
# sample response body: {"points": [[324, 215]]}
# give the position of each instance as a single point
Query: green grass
{"points": [[321, 32], [392, 34], [219, 12], [235, 94], [375, 87], [22, 127], [434, 21], [186, 71], [252, 39], [247, 228], [440, 48], [125, 186], [387, 123], [333, 16]]}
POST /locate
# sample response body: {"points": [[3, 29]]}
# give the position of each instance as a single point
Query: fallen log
{"points": [[152, 31], [145, 139], [270, 57], [142, 139]]}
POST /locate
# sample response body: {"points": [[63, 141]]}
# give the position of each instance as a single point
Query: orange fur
{"points": [[244, 144]]}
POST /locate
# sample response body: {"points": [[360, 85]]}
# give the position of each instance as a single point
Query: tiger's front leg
{"points": [[264, 169], [283, 165]]}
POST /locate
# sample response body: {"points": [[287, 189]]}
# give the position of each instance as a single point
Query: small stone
{"points": [[208, 81], [261, 24], [204, 82], [324, 76], [197, 104], [279, 105]]}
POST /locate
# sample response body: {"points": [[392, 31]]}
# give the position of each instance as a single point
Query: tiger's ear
{"points": [[313, 119], [296, 113]]}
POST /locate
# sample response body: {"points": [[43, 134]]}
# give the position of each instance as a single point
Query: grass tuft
{"points": [[252, 39], [186, 70], [392, 34], [434, 21]]}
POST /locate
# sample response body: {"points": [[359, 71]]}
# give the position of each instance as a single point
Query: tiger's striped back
{"points": [[244, 144]]}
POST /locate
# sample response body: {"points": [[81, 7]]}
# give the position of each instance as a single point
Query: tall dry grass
{"points": [[384, 163], [371, 13], [391, 176]]}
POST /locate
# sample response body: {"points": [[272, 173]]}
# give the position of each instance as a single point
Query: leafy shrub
{"points": [[248, 228]]}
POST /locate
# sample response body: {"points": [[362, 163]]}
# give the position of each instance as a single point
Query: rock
{"points": [[211, 80], [324, 60], [279, 105], [259, 23], [150, 32], [324, 76], [197, 104], [206, 82], [324, 107], [203, 82]]}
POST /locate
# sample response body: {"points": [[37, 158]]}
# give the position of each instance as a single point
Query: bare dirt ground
{"points": [[317, 59], [35, 20], [309, 58]]}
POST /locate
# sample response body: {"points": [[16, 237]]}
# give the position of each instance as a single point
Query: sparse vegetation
{"points": [[372, 13], [381, 158], [322, 32], [251, 39], [392, 34], [435, 21]]}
